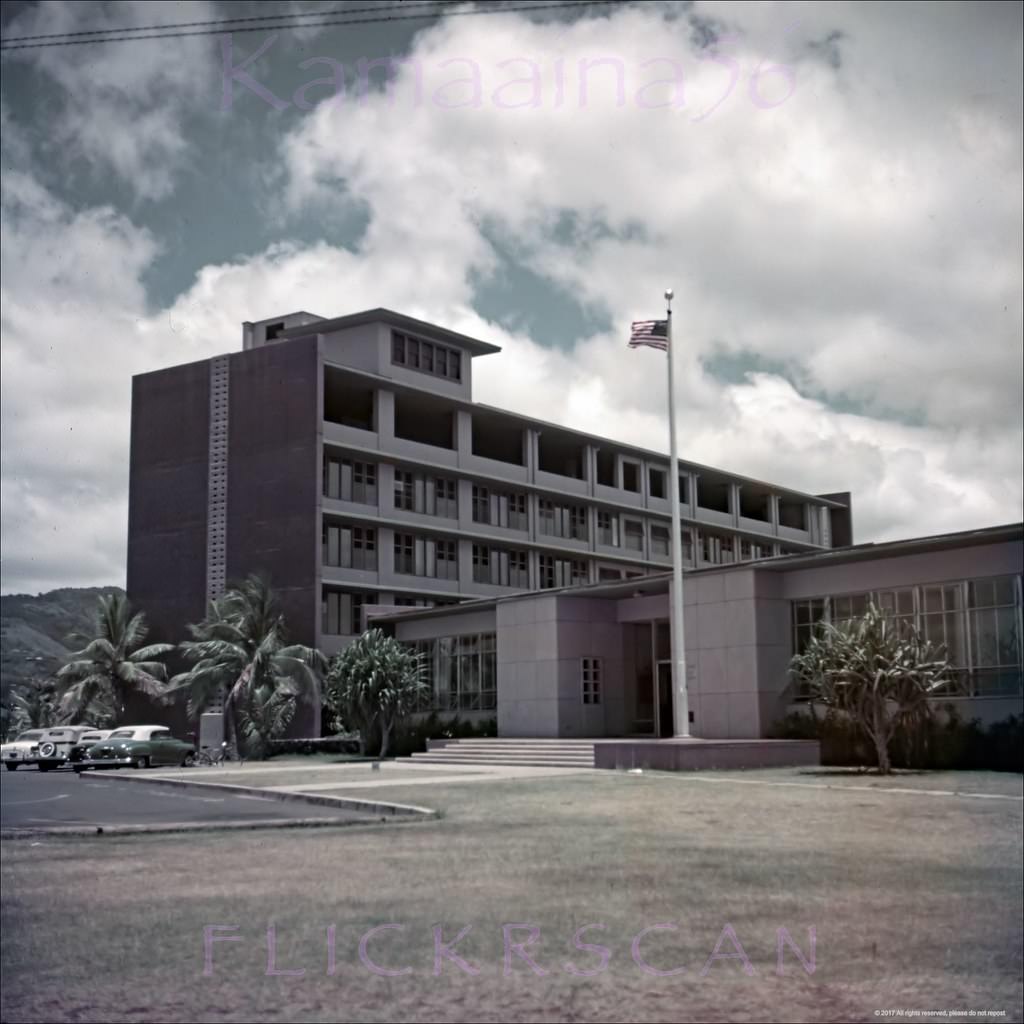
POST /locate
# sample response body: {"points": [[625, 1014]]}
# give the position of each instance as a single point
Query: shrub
{"points": [[323, 745], [943, 742], [413, 736]]}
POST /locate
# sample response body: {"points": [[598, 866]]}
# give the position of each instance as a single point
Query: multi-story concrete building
{"points": [[347, 459]]}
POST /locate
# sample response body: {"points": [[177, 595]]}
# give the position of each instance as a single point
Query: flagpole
{"points": [[680, 701]]}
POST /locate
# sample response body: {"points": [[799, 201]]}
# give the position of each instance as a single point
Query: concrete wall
{"points": [[167, 495]]}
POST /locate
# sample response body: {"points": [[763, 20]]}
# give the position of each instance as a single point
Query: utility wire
{"points": [[230, 21], [13, 44]]}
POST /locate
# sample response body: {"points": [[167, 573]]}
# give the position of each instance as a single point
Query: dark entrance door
{"points": [[666, 720]]}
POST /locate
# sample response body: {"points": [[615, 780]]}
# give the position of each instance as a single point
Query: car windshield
{"points": [[32, 734], [91, 739], [122, 734]]}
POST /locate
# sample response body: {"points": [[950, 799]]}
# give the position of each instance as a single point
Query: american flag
{"points": [[653, 333]]}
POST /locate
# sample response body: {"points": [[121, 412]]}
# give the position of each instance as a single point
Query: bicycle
{"points": [[209, 757]]}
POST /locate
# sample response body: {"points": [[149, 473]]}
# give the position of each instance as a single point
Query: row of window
{"points": [[352, 480], [977, 621], [355, 547], [426, 356], [341, 611]]}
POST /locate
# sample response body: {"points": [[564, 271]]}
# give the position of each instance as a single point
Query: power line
{"points": [[565, 4], [225, 21]]}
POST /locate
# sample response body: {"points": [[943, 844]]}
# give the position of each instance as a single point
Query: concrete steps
{"points": [[531, 753]]}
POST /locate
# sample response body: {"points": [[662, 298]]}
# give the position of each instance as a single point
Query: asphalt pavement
{"points": [[32, 801]]}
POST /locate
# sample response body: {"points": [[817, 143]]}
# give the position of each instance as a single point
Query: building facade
{"points": [[595, 661], [346, 459]]}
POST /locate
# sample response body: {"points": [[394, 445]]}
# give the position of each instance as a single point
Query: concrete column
{"points": [[463, 434], [465, 552], [734, 503], [590, 467], [530, 437], [693, 494], [384, 415], [464, 493], [773, 512]]}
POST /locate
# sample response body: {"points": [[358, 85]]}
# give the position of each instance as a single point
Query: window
{"points": [[500, 567], [341, 612], [460, 673], [608, 529], [446, 501], [428, 495], [590, 672], [405, 491], [561, 572], [661, 540], [425, 356], [426, 556], [446, 560], [500, 508], [633, 534], [630, 476], [977, 621], [350, 480], [562, 520], [656, 482], [405, 554], [349, 547]]}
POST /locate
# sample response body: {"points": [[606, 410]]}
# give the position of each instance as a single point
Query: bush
{"points": [[324, 745], [946, 742], [413, 736]]}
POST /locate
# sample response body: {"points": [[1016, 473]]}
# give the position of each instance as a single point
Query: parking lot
{"points": [[33, 801]]}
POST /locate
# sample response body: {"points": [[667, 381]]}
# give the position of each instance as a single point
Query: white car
{"points": [[55, 746], [18, 752]]}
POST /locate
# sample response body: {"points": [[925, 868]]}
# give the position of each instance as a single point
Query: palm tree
{"points": [[238, 653], [34, 705], [113, 665]]}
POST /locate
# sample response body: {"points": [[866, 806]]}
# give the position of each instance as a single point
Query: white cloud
{"points": [[122, 104]]}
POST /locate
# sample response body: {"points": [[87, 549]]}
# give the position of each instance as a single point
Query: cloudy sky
{"points": [[834, 192]]}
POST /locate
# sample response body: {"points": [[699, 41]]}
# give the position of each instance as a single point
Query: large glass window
{"points": [[977, 621], [460, 672]]}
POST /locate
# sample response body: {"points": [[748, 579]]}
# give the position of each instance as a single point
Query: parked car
{"points": [[138, 746], [55, 745], [17, 752], [80, 750]]}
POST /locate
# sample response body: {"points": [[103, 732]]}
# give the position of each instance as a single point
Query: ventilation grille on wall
{"points": [[217, 489]]}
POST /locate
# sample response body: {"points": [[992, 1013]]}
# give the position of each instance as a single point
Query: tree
{"points": [[112, 666], [238, 653], [266, 714], [876, 670], [33, 706], [372, 684]]}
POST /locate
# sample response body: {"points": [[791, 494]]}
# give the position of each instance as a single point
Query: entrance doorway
{"points": [[664, 723]]}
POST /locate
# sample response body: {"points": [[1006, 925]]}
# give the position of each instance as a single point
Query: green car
{"points": [[138, 746]]}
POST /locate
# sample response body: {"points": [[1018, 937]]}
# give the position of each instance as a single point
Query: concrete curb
{"points": [[95, 831], [375, 807]]}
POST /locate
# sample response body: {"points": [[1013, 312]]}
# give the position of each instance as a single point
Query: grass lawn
{"points": [[916, 901]]}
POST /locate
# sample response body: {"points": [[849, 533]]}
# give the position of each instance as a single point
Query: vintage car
{"points": [[19, 750], [80, 750], [138, 746], [55, 745]]}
